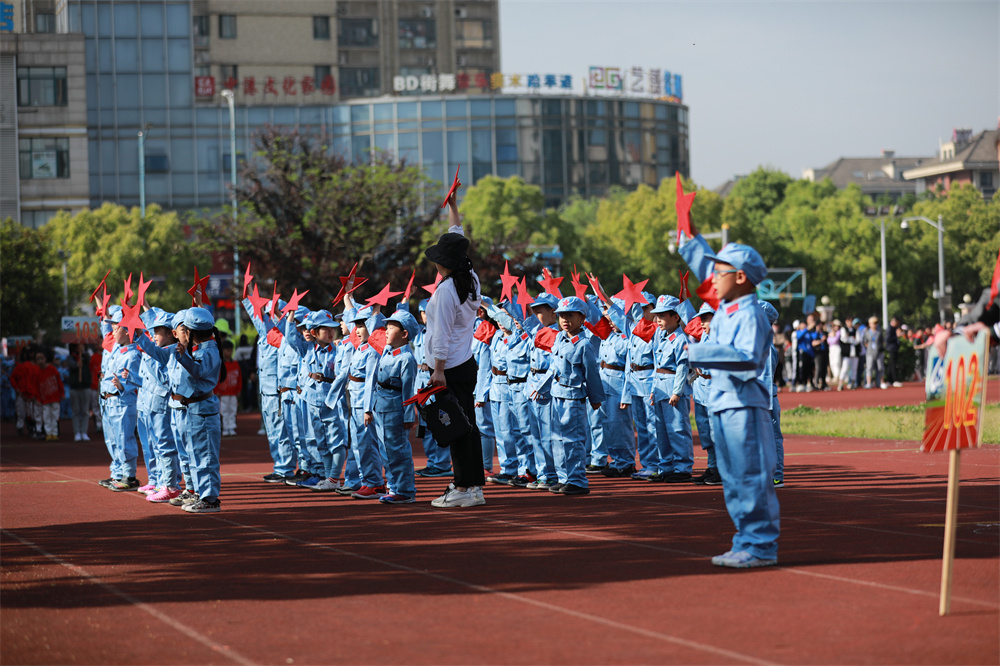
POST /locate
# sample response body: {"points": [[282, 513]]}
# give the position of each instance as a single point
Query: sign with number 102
{"points": [[956, 393]]}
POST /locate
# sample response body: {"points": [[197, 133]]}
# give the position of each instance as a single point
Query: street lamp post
{"points": [[228, 94], [939, 225], [64, 255], [142, 169], [885, 286]]}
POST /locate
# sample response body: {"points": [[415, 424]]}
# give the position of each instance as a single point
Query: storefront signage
{"points": [[251, 86]]}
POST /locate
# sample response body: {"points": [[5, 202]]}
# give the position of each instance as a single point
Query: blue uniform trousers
{"points": [[168, 467], [122, 446], [398, 453], [364, 445], [205, 444], [526, 435], [545, 463], [743, 439], [645, 427], [703, 420], [674, 444], [484, 421], [618, 435], [147, 439], [569, 440], [331, 444], [278, 434], [598, 448], [178, 424], [503, 422], [314, 439]]}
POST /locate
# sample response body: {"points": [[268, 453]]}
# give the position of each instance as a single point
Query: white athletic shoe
{"points": [[326, 485], [459, 498]]}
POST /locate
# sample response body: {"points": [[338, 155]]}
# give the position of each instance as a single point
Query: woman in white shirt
{"points": [[451, 322]]}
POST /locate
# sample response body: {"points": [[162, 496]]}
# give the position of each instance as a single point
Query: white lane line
{"points": [[223, 650]]}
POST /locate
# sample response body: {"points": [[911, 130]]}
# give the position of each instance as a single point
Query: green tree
{"points": [[30, 294], [307, 214], [120, 239]]}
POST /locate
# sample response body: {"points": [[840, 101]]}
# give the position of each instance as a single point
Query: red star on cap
{"points": [[128, 288], [550, 284], [293, 302], [349, 283], [430, 288], [258, 302], [246, 280], [631, 293], [382, 298], [143, 286], [524, 299], [508, 281], [130, 319], [684, 202], [100, 284]]}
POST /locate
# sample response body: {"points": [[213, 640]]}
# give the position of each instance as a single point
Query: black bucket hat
{"points": [[450, 251]]}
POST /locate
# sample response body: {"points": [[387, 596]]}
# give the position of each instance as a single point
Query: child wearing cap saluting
{"points": [[669, 395], [386, 388], [575, 381], [737, 354]]}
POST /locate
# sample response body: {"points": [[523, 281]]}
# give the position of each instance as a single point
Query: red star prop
{"points": [[454, 186], [382, 298], [293, 302], [684, 202], [349, 284], [143, 286], [706, 292], [550, 284], [258, 302], [246, 280], [128, 288], [409, 287], [578, 287], [101, 284], [430, 288], [130, 319], [685, 291], [508, 281], [102, 309], [199, 283], [995, 282], [598, 289], [631, 293], [274, 299], [524, 299]]}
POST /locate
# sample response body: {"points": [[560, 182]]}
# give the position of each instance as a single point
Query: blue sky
{"points": [[789, 85]]}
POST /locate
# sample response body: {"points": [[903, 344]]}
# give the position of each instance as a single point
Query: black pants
{"points": [[891, 359], [466, 452]]}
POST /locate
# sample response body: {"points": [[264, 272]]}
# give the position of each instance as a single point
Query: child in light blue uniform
{"points": [[120, 390], [575, 381], [293, 408], [525, 435], [736, 356], [156, 413], [364, 441], [637, 385], [539, 389], [618, 432], [144, 404], [386, 388], [767, 378], [438, 457], [499, 394], [486, 331], [670, 395], [336, 399], [702, 419], [278, 429]]}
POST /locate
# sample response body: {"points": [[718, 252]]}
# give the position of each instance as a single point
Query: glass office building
{"points": [[140, 74]]}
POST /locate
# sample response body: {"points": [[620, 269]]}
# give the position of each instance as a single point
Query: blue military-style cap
{"points": [[573, 304], [199, 319], [667, 303], [686, 311], [320, 319], [163, 318], [114, 314], [743, 258], [706, 309], [770, 311], [650, 299], [486, 302], [546, 298], [405, 320], [500, 316], [361, 315], [178, 318], [281, 306], [422, 307], [301, 314]]}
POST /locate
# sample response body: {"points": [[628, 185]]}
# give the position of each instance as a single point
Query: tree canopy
{"points": [[30, 293]]}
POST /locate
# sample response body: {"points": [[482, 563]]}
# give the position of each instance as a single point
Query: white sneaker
{"points": [[261, 432], [78, 437], [84, 437], [326, 485], [460, 498], [898, 384], [883, 385]]}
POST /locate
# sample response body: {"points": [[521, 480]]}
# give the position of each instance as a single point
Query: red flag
{"points": [[695, 328], [485, 332], [377, 339], [706, 292], [545, 338], [645, 329], [601, 329]]}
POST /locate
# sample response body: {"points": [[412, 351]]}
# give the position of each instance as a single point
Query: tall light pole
{"points": [[939, 225], [142, 168], [885, 286], [228, 94]]}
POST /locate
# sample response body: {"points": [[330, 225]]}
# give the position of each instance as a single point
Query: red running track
{"points": [[621, 576]]}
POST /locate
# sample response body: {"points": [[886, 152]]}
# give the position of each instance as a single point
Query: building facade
{"points": [[967, 158]]}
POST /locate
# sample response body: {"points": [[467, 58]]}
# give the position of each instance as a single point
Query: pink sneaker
{"points": [[147, 489], [164, 495]]}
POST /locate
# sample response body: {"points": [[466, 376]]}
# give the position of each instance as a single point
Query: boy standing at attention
{"points": [[736, 356]]}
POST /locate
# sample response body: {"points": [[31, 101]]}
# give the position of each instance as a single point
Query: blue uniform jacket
{"points": [[201, 375], [484, 374], [614, 351], [392, 382], [267, 355], [736, 356], [123, 363], [575, 375], [499, 391], [671, 354], [167, 359]]}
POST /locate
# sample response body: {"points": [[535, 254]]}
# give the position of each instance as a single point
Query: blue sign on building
{"points": [[6, 17]]}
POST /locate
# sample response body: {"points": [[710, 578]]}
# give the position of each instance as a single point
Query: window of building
{"points": [[359, 81], [417, 34], [227, 26], [473, 34], [321, 27], [45, 23], [985, 179], [358, 32], [35, 219], [44, 158], [229, 76], [41, 86], [200, 30], [157, 164]]}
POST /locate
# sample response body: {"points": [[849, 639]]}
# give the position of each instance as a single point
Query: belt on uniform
{"points": [[664, 371], [285, 389], [537, 371], [502, 373], [184, 400], [516, 380], [320, 378], [389, 387], [105, 396], [355, 379], [639, 368], [612, 366]]}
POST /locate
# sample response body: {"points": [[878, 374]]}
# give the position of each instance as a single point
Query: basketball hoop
{"points": [[785, 299]]}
